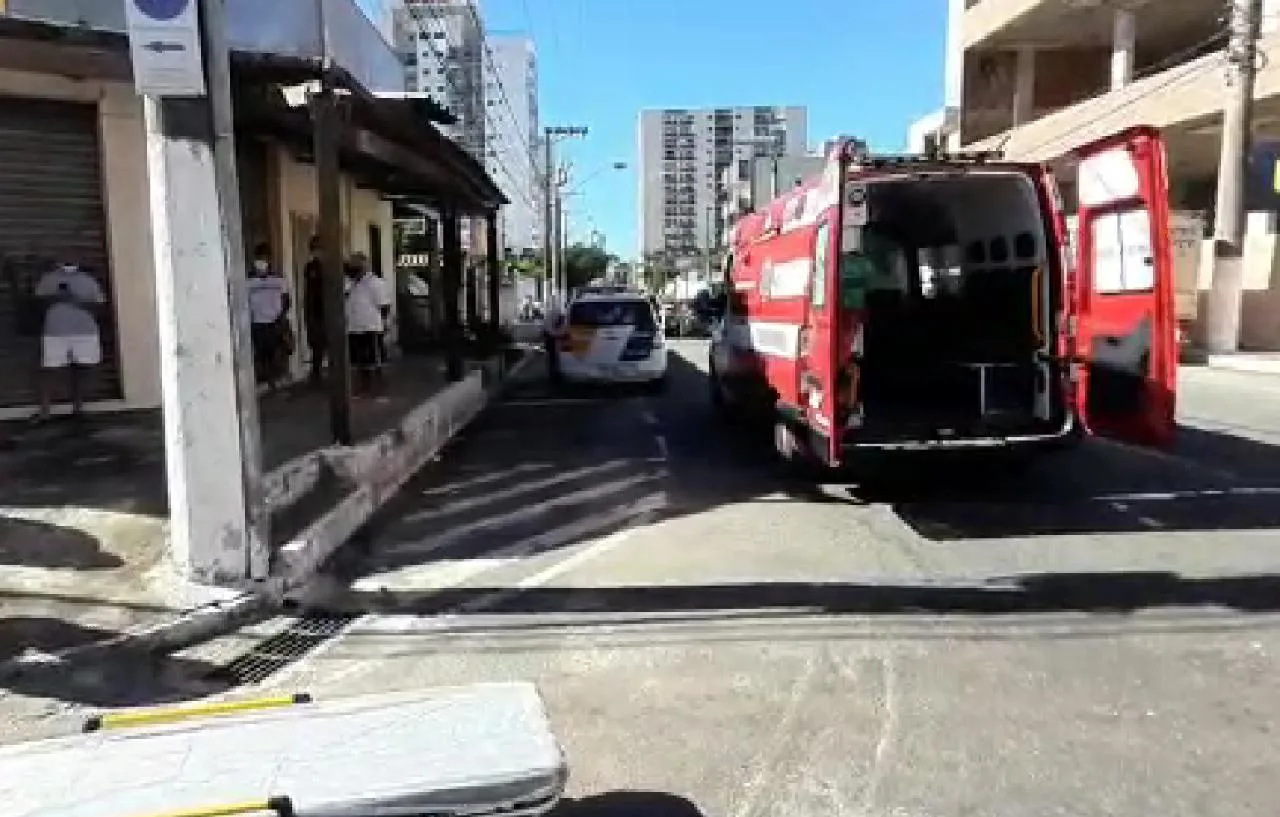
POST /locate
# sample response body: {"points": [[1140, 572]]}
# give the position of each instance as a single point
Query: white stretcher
{"points": [[476, 751]]}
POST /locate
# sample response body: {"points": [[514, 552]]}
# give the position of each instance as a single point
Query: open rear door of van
{"points": [[1125, 338]]}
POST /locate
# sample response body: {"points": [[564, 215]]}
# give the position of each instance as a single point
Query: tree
{"points": [[659, 268], [584, 263]]}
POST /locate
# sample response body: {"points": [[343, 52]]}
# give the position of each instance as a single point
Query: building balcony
{"points": [[1185, 102], [1018, 23], [294, 28]]}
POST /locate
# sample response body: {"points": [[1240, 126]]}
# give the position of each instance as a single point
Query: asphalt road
{"points": [[1095, 637]]}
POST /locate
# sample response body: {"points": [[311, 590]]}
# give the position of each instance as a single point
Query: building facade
{"points": [[685, 153], [1040, 78], [511, 155], [766, 177], [442, 45]]}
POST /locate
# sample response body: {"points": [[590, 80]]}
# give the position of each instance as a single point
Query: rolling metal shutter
{"points": [[51, 210]]}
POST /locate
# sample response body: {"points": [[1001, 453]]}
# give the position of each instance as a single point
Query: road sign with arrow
{"points": [[164, 40]]}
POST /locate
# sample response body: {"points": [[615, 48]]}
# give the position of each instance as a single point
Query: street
{"points": [[1096, 637]]}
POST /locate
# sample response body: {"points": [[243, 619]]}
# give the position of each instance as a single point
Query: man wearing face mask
{"points": [[268, 313]]}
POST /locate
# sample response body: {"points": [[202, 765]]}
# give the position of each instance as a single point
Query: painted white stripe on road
{"points": [[520, 551]]}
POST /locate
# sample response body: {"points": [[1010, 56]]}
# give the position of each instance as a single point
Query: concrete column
{"points": [[1024, 87], [1123, 43], [217, 527]]}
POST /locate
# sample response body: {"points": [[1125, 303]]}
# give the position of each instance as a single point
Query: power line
{"points": [[523, 190], [479, 24], [525, 136]]}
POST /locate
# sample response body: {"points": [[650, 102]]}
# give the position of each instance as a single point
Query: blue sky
{"points": [[862, 67]]}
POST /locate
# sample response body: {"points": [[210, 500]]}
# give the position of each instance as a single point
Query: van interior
{"points": [[951, 276]]}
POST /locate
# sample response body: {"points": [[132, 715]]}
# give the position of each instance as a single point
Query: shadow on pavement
{"points": [[42, 544], [543, 470], [627, 804], [1118, 592], [120, 678]]}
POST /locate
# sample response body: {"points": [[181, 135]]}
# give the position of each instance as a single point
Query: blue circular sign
{"points": [[162, 9]]}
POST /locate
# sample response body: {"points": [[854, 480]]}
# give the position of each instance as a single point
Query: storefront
{"points": [[52, 211]]}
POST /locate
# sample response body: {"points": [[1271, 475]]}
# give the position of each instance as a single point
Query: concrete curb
{"points": [[377, 470], [1253, 364]]}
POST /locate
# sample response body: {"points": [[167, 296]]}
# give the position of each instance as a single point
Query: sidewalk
{"points": [[83, 522], [1254, 362]]}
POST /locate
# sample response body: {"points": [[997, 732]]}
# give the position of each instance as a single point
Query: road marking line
{"points": [[436, 575], [648, 416], [662, 446], [387, 622]]}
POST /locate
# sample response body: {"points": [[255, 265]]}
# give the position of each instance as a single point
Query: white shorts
{"points": [[79, 350]]}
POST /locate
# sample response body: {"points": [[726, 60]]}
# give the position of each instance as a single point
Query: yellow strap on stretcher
{"points": [[148, 717], [282, 806]]}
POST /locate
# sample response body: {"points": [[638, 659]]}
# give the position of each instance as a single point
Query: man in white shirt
{"points": [[368, 306], [269, 316], [70, 339]]}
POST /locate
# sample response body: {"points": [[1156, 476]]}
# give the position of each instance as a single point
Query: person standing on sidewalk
{"points": [[269, 315], [550, 331], [71, 339], [313, 311], [368, 306]]}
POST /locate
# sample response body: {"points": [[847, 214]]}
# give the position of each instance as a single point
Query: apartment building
{"points": [[1040, 78], [765, 178], [512, 155], [442, 45], [684, 154]]}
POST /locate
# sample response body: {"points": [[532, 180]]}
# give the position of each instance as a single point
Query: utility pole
{"points": [[551, 240], [326, 122], [548, 216], [562, 235], [212, 445], [1224, 302]]}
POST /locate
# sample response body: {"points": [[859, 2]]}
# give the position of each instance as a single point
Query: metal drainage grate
{"points": [[305, 634]]}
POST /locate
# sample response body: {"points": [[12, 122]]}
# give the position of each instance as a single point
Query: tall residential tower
{"points": [[683, 156]]}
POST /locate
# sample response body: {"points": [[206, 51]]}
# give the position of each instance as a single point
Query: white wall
{"points": [[513, 158]]}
